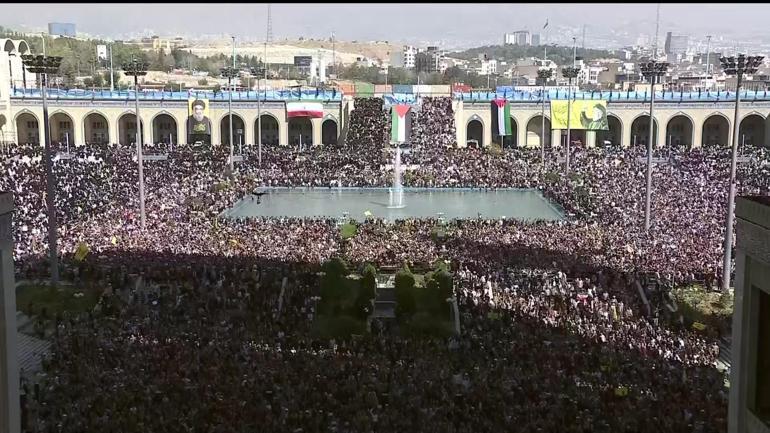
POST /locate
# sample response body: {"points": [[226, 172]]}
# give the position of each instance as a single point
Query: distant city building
{"points": [[488, 67], [521, 37], [410, 53], [61, 29], [535, 39], [155, 43], [435, 60], [675, 44]]}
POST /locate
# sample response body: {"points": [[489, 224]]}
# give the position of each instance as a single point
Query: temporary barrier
{"points": [[440, 90], [383, 88], [461, 88], [402, 88], [422, 89], [364, 90], [347, 88]]}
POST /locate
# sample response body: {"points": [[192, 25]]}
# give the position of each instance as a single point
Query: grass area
{"points": [[348, 230], [31, 299], [713, 309]]}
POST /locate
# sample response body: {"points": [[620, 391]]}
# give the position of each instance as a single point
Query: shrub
{"points": [[406, 302], [348, 230]]}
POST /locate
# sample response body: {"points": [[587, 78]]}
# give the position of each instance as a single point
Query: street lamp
{"points": [[651, 70], [45, 65], [737, 66], [257, 72], [230, 73], [136, 69], [543, 75], [569, 73]]}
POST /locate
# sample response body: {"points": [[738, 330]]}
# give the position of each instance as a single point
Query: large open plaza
{"points": [[378, 237]]}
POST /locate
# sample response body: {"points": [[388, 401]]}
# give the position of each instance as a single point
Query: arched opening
{"points": [[9, 47], [23, 47], [535, 129], [329, 132], [752, 131], [2, 129], [62, 129], [164, 129], [238, 130], [300, 131], [27, 129], [96, 129], [716, 131], [474, 133], [127, 129], [613, 135], [640, 131], [679, 131], [269, 130]]}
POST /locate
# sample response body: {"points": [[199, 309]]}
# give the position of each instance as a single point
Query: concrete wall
{"points": [[465, 111], [113, 110]]}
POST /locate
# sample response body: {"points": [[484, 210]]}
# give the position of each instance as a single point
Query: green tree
{"points": [[406, 303]]}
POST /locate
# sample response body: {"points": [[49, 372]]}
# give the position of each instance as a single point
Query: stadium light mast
{"points": [[45, 65], [543, 75], [257, 72], [230, 73], [136, 69], [651, 70], [569, 73], [737, 66]]}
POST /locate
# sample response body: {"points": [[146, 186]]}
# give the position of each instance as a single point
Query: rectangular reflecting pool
{"points": [[523, 204]]}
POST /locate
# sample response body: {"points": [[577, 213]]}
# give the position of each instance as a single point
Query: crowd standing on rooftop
{"points": [[556, 337]]}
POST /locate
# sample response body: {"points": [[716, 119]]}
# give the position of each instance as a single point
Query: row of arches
{"points": [[679, 131], [96, 129]]}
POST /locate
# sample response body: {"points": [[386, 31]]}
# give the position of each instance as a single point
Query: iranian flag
{"points": [[304, 109], [503, 117], [401, 126]]}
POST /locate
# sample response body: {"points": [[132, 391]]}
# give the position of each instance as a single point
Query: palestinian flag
{"points": [[503, 117], [401, 124]]}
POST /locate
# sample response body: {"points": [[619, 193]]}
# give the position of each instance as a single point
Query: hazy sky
{"points": [[473, 23]]}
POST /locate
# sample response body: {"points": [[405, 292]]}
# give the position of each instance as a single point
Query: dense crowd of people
{"points": [[434, 123], [555, 334]]}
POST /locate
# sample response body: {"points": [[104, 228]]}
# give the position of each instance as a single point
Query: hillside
{"points": [[285, 50], [560, 55]]}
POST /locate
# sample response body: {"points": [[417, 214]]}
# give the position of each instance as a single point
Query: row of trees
{"points": [[559, 54], [377, 75]]}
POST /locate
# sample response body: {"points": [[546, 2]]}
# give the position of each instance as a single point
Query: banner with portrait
{"points": [[198, 121], [589, 115]]}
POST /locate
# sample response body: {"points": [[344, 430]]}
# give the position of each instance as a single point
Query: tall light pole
{"points": [[257, 72], [230, 73], [708, 54], [737, 66], [569, 73], [112, 84], [543, 75], [651, 70], [47, 65], [136, 69]]}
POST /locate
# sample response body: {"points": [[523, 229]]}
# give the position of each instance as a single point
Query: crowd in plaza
{"points": [[555, 335]]}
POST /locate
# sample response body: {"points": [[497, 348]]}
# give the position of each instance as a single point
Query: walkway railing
{"points": [[250, 95], [512, 95]]}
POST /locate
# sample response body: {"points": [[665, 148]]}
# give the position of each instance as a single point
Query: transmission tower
{"points": [[269, 37], [584, 37]]}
